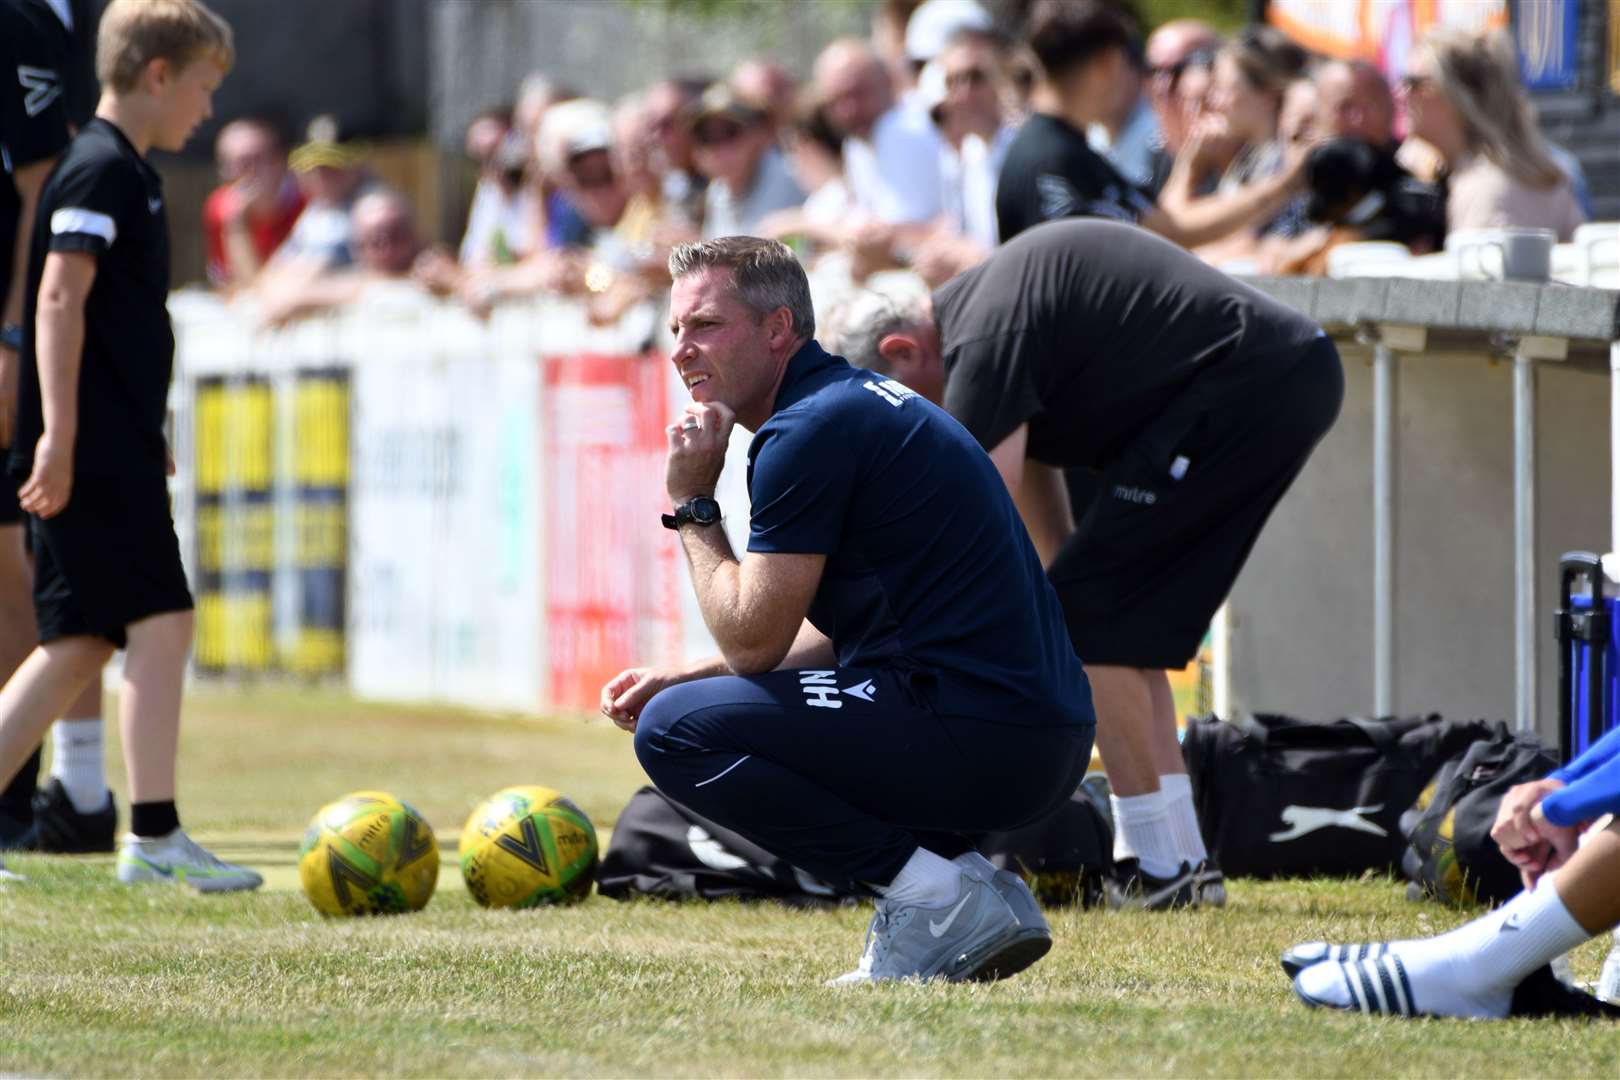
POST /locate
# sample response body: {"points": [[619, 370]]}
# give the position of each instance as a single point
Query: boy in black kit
{"points": [[44, 58], [97, 357]]}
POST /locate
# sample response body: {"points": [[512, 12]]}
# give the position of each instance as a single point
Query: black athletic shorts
{"points": [[11, 511], [110, 558], [1178, 510]]}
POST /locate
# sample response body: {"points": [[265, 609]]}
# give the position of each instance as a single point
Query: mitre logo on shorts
{"points": [[896, 394], [1126, 493]]}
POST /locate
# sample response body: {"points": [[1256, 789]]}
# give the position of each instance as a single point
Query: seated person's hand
{"points": [[1527, 839], [1210, 143]]}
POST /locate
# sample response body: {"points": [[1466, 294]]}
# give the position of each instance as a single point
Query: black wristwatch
{"points": [[699, 511], [11, 336]]}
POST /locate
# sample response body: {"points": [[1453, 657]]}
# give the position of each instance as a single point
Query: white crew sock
{"points": [[927, 880], [1177, 789], [1142, 830], [77, 761], [976, 866], [1473, 970]]}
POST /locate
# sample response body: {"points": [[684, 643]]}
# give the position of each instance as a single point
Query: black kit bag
{"points": [[1450, 855], [660, 848], [1063, 857], [1282, 797]]}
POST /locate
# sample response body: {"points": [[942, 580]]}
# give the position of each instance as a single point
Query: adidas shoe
{"points": [[1300, 957], [1371, 984], [65, 830], [974, 938], [178, 859], [1134, 888]]}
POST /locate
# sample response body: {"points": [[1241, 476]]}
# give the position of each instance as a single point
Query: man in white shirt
{"points": [[891, 153]]}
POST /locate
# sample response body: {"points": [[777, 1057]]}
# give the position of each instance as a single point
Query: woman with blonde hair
{"points": [[1462, 95]]}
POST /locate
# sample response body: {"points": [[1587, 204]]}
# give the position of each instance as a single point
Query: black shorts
{"points": [[109, 559], [11, 511], [1177, 512]]}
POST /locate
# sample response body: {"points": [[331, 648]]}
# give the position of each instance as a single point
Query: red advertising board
{"points": [[613, 575]]}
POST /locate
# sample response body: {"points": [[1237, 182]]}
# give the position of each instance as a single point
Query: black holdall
{"points": [[660, 848], [1450, 855], [1282, 797], [1063, 857]]}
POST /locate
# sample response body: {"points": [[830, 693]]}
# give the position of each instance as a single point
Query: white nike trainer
{"points": [[177, 859], [976, 937]]}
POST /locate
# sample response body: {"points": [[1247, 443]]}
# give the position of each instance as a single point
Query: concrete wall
{"points": [[1302, 611], [603, 48]]}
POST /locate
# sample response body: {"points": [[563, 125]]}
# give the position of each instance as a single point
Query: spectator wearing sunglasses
{"points": [[735, 147], [1462, 95], [1178, 56]]}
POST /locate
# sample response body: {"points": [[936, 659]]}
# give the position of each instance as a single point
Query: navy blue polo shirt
{"points": [[928, 564]]}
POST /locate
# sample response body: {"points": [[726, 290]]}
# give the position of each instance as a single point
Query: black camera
{"points": [[1356, 185]]}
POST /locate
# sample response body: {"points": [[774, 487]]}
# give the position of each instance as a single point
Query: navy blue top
{"points": [[928, 564]]}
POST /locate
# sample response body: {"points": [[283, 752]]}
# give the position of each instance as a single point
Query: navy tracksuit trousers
{"points": [[844, 773]]}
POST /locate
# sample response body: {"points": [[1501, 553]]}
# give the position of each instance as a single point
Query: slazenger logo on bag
{"points": [[709, 851], [1307, 819]]}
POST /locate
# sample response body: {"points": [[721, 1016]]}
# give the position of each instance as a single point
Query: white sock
{"points": [[1142, 830], [1177, 789], [927, 880], [77, 761], [1473, 970], [976, 866]]}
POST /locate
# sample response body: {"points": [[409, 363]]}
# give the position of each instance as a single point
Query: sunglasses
{"points": [[716, 133], [1198, 58], [971, 78], [385, 235], [1413, 81]]}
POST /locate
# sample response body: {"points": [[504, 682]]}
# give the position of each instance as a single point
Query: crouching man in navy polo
{"points": [[894, 673]]}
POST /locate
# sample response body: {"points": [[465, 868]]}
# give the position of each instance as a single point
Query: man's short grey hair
{"points": [[765, 275], [865, 317]]}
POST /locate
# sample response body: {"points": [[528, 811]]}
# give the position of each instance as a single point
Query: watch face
{"points": [[705, 511]]}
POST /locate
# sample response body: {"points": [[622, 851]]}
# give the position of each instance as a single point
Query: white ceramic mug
{"points": [[1522, 255]]}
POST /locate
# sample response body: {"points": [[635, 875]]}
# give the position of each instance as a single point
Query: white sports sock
{"points": [[1471, 971], [926, 880], [976, 866], [1177, 789], [1142, 830], [77, 761]]}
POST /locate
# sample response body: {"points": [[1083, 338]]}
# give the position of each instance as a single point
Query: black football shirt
{"points": [[1052, 172], [105, 200], [1086, 330], [38, 79]]}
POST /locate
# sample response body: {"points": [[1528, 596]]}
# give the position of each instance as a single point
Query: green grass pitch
{"points": [[98, 979]]}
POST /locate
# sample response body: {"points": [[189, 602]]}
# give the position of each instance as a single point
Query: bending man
{"points": [[1194, 398], [893, 672]]}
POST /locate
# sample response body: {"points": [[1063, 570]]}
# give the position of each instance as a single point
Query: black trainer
{"points": [[1135, 888], [1211, 884], [17, 834], [63, 830]]}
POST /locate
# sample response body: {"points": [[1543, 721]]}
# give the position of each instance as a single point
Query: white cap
{"points": [[573, 128], [935, 22]]}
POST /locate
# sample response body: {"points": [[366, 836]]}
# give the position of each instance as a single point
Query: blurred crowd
{"points": [[919, 147]]}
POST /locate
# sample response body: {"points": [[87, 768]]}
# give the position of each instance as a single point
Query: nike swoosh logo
{"points": [[938, 928]]}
